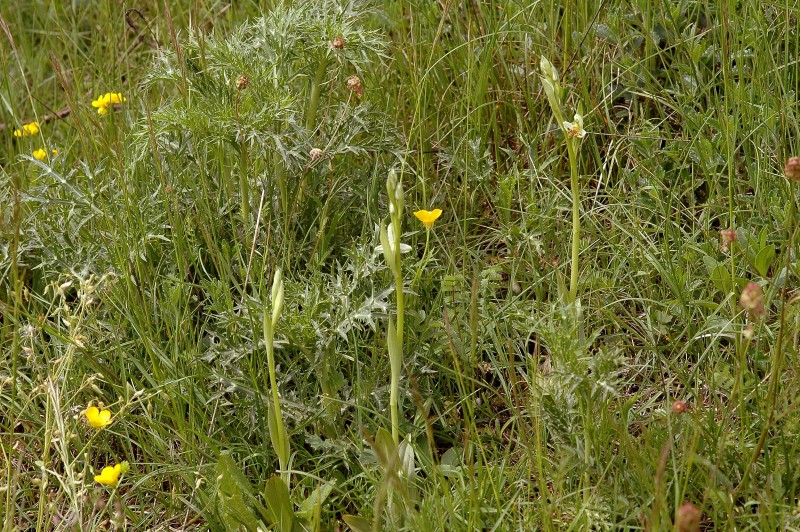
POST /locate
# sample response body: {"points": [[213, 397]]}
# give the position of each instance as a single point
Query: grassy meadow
{"points": [[227, 301]]}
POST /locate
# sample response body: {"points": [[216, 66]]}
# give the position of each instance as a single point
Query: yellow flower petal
{"points": [[40, 154], [98, 418], [110, 475], [428, 217]]}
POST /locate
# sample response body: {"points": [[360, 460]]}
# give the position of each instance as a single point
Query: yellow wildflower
{"points": [[31, 128], [428, 217], [110, 474], [108, 99], [98, 418], [40, 154]]}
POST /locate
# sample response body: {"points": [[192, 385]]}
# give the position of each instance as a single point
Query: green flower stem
{"points": [[316, 89], [396, 357], [777, 360], [277, 432], [576, 217], [425, 258], [244, 185]]}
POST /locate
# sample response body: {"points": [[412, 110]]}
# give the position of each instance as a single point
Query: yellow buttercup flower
{"points": [[31, 128], [98, 418], [109, 476], [428, 217], [41, 154], [108, 99]]}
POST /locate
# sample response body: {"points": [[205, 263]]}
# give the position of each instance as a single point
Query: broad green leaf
{"points": [[281, 511], [357, 524], [236, 502], [764, 259], [315, 500]]}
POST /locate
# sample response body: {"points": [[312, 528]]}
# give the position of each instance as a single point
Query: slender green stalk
{"points": [[576, 218], [277, 432], [573, 132], [316, 89], [392, 252]]}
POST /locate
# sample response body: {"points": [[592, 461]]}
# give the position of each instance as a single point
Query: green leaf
{"points": [[764, 259], [281, 511], [385, 449], [235, 499], [357, 524], [314, 501]]}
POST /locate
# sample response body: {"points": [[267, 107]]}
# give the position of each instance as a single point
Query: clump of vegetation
{"points": [[330, 263]]}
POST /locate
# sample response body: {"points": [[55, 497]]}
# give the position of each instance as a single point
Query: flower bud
{"points": [[679, 407], [242, 82], [752, 300], [315, 154], [728, 237], [354, 84], [548, 70], [792, 168], [338, 42], [277, 296]]}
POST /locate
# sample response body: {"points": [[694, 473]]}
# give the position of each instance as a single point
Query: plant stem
{"points": [[316, 88], [576, 218]]}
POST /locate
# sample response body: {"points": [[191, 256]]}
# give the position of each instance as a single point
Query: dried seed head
{"points": [[315, 154], [688, 518], [792, 168], [728, 236], [752, 300], [338, 42], [242, 82], [679, 407], [354, 84]]}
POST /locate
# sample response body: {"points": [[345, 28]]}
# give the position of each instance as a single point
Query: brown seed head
{"points": [[792, 168], [315, 153], [338, 42], [679, 407], [242, 82], [354, 84], [688, 518], [728, 236], [752, 300]]}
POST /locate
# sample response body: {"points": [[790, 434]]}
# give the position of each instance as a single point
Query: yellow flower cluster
{"points": [[99, 419], [107, 100], [29, 129], [41, 154]]}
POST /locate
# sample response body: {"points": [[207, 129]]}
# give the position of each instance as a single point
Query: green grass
{"points": [[136, 266]]}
